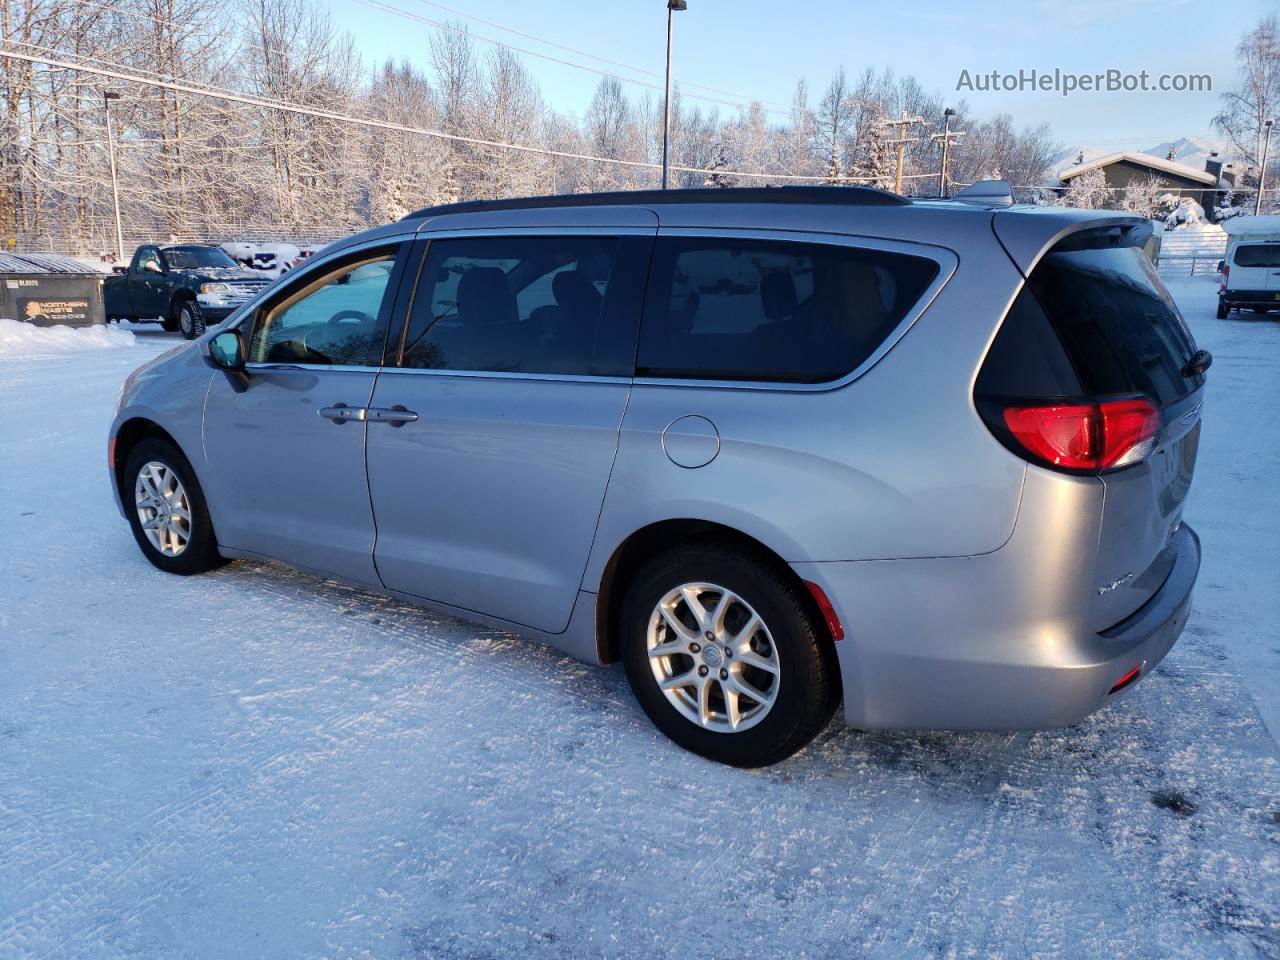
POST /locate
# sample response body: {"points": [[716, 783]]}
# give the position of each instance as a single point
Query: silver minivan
{"points": [[770, 449]]}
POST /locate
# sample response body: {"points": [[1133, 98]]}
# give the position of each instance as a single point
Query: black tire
{"points": [[808, 682], [1222, 310], [190, 319], [169, 325], [201, 551]]}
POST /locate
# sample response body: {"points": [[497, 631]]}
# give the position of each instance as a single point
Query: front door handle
{"points": [[396, 416], [341, 413]]}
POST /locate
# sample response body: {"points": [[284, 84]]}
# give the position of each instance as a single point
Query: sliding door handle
{"points": [[341, 413], [396, 416]]}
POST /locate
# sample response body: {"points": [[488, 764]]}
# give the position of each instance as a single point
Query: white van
{"points": [[1251, 269]]}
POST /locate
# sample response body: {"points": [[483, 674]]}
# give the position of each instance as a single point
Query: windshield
{"points": [[188, 258]]}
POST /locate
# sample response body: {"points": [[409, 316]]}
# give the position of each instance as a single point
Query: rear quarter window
{"points": [[772, 310]]}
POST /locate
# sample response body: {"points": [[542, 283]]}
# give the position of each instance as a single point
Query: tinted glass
{"points": [[335, 319], [188, 258], [1258, 255], [724, 309], [514, 305], [1027, 359], [1120, 329]]}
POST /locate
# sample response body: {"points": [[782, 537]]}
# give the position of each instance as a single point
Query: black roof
{"points": [[853, 196]]}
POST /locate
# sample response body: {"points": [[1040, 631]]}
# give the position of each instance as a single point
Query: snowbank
{"points": [[24, 340]]}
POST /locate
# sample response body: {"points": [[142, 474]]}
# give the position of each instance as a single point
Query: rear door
{"points": [[1124, 337], [493, 434], [1255, 266]]}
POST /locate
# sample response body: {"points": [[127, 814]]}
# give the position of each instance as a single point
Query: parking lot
{"points": [[261, 763]]}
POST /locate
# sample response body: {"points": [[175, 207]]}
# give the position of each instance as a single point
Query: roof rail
{"points": [[853, 196], [992, 193]]}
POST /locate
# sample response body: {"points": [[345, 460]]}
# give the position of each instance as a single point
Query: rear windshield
{"points": [[1118, 325], [1258, 255]]}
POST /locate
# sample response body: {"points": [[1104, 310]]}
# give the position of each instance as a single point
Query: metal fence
{"points": [[1189, 255]]}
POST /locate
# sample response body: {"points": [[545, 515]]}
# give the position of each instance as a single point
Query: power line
{"points": [[288, 107], [593, 56], [408, 15]]}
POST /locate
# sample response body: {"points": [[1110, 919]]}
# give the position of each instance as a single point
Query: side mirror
{"points": [[226, 351], [119, 269], [152, 266], [1221, 263]]}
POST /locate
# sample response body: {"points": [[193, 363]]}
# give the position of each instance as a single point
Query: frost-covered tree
{"points": [[1087, 191], [1177, 211], [1141, 196], [718, 177], [1256, 97]]}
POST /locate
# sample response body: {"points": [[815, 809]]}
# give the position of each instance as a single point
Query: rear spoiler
{"points": [[1028, 233]]}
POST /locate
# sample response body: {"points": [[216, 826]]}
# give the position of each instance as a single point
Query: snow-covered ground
{"points": [[257, 763]]}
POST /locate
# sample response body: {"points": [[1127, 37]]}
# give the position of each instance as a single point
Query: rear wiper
{"points": [[1200, 361]]}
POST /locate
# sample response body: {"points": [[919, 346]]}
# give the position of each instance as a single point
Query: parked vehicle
{"points": [[771, 449], [1251, 268], [185, 286]]}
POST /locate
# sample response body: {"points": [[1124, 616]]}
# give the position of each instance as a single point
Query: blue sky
{"points": [[758, 48]]}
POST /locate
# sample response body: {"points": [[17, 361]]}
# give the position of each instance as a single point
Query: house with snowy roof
{"points": [[1205, 186]]}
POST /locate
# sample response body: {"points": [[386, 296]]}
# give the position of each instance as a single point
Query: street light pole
{"points": [[107, 97], [1262, 167], [946, 150], [672, 7]]}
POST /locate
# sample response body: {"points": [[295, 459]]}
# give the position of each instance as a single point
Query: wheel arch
{"points": [[630, 555], [180, 296], [130, 433]]}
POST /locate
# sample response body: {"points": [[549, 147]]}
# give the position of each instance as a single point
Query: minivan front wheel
{"points": [[725, 657], [166, 510]]}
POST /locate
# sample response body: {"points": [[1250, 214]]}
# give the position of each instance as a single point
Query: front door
{"points": [[147, 293], [286, 446], [515, 371]]}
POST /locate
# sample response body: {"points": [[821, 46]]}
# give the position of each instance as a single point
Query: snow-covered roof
{"points": [[1269, 224], [40, 263], [1144, 160]]}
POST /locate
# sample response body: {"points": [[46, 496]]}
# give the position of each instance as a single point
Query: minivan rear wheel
{"points": [[166, 510], [725, 657]]}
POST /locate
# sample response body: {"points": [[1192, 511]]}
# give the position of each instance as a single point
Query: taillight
{"points": [[1086, 436], [1226, 270]]}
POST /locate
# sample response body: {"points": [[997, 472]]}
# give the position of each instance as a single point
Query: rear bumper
{"points": [[1250, 298], [929, 647]]}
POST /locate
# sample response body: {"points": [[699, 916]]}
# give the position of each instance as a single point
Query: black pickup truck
{"points": [[185, 286]]}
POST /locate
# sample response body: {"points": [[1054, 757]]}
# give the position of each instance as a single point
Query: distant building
{"points": [[1206, 187]]}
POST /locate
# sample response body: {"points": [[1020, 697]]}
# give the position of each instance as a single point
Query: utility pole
{"points": [[903, 123], [107, 97], [672, 7], [1262, 167], [945, 136]]}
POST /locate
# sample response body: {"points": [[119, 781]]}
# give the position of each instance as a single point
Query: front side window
{"points": [[145, 255], [1258, 255], [514, 305], [337, 318], [772, 310]]}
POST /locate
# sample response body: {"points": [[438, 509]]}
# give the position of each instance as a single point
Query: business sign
{"points": [[48, 312]]}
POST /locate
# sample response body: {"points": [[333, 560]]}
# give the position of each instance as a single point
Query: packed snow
{"points": [[20, 340], [259, 763]]}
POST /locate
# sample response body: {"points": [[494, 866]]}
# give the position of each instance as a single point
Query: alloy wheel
{"points": [[164, 510], [713, 657]]}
